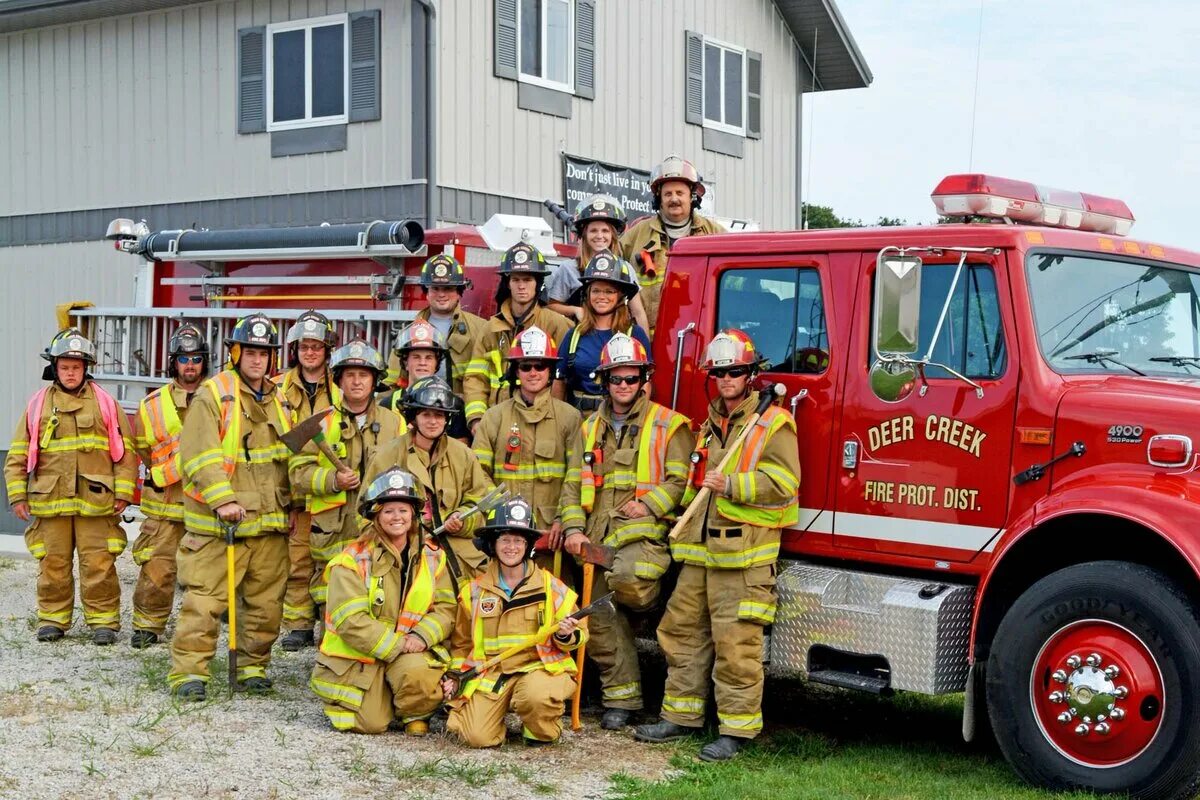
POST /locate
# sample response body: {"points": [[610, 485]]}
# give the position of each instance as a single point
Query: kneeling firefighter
{"points": [[511, 600], [391, 606]]}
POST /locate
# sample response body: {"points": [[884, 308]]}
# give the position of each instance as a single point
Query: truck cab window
{"points": [[972, 339], [782, 310]]}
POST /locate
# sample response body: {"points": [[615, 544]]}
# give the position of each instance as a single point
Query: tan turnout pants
{"points": [[154, 552], [538, 698], [260, 575], [53, 542], [299, 613], [610, 637], [703, 637], [409, 688]]}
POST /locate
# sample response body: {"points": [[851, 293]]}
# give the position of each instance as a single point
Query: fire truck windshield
{"points": [[1097, 314]]}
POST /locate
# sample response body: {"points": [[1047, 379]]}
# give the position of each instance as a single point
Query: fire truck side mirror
{"points": [[897, 303], [893, 381]]}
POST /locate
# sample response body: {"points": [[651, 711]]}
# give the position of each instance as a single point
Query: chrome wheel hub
{"points": [[1090, 693]]}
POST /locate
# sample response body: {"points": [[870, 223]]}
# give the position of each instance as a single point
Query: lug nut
{"points": [[1059, 676], [1057, 697], [1118, 713], [1074, 661], [1112, 672], [1065, 717], [1083, 729], [1121, 692], [1102, 729], [1094, 660]]}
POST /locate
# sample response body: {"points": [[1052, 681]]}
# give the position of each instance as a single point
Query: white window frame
{"points": [[536, 80], [307, 26], [725, 47]]}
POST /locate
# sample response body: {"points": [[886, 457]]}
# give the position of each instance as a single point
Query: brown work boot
{"points": [[418, 727]]}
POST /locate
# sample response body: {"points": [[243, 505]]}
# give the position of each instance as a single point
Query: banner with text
{"points": [[584, 177]]}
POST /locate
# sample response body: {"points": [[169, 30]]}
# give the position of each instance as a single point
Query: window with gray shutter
{"points": [[693, 88], [585, 48], [364, 66], [505, 60], [723, 91], [548, 44], [252, 79], [753, 94]]}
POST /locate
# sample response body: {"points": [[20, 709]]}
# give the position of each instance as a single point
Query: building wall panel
{"points": [[140, 109], [489, 145]]}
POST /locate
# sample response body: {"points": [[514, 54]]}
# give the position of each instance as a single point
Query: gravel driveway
{"points": [[80, 721]]}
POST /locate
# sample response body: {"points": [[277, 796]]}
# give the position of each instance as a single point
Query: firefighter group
{"points": [[454, 525]]}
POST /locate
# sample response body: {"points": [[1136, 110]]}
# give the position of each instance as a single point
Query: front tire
{"points": [[1092, 682]]}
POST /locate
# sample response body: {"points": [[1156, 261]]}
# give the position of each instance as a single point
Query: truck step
{"points": [[850, 680], [915, 630]]}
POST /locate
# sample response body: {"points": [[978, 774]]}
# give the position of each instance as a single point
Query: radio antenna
{"points": [[975, 97]]}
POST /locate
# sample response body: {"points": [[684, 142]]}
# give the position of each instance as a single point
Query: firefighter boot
{"points": [[615, 718], [192, 691], [722, 748], [661, 731], [49, 633], [104, 636], [255, 685], [296, 640], [140, 640]]}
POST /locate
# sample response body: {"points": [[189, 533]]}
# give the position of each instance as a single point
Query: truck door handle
{"points": [[849, 454], [796, 398]]}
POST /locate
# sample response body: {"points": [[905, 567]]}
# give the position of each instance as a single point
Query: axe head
{"points": [[604, 603], [600, 555], [304, 432]]}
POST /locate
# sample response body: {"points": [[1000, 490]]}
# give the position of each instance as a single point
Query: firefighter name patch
{"points": [[488, 605]]}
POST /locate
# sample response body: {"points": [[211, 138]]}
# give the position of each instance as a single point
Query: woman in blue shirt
{"points": [[608, 284]]}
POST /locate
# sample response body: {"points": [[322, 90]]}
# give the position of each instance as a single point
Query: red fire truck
{"points": [[999, 482]]}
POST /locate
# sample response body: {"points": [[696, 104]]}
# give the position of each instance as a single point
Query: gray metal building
{"points": [[251, 113]]}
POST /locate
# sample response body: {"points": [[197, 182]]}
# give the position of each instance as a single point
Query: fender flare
{"points": [[1119, 500]]}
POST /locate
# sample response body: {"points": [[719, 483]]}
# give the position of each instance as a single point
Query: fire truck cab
{"points": [[999, 486]]}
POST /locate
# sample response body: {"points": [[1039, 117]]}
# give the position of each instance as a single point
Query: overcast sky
{"points": [[1099, 97]]}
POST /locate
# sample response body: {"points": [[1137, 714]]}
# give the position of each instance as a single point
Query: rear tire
{"points": [[1125, 616]]}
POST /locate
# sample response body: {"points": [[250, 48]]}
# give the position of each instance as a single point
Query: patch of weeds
{"points": [[89, 769], [151, 719], [280, 737], [7, 563], [444, 770], [149, 749], [292, 715], [88, 740], [7, 783], [50, 737], [359, 765], [153, 670], [532, 779]]}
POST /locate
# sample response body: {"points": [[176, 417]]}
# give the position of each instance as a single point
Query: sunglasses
{"points": [[628, 380], [190, 359], [730, 372], [533, 366]]}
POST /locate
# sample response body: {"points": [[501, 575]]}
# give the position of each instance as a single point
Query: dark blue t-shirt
{"points": [[587, 357]]}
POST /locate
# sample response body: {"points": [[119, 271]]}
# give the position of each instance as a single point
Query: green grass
{"points": [[841, 745]]}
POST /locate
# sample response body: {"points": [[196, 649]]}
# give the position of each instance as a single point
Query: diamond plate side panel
{"points": [[924, 640]]}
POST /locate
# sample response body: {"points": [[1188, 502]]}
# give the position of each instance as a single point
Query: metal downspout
{"points": [[431, 61]]}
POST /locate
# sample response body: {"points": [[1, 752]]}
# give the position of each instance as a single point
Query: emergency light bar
{"points": [[989, 196]]}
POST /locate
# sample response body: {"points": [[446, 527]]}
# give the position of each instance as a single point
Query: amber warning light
{"points": [[1020, 201]]}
